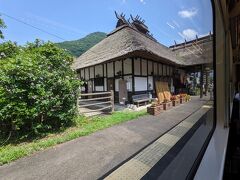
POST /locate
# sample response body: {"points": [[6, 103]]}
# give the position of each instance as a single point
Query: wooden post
{"points": [[133, 77], [201, 82], [122, 69], [206, 85], [147, 77], [112, 100]]}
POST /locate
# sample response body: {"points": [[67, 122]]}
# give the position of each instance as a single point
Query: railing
{"points": [[96, 102]]}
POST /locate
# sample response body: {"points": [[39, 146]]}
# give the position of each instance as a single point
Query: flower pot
{"points": [[167, 105], [175, 102], [181, 100], [154, 110], [188, 98]]}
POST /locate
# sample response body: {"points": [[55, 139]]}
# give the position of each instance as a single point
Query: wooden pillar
{"points": [[112, 100], [140, 66], [133, 79], [201, 82], [114, 78], [194, 80], [206, 85], [147, 77], [103, 71], [162, 70], [94, 87], [122, 69]]}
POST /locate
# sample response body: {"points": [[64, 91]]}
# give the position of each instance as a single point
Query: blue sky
{"points": [[168, 20]]}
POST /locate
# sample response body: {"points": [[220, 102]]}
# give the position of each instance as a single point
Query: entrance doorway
{"points": [[90, 86], [110, 84], [123, 94]]}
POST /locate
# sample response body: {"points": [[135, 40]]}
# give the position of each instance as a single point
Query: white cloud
{"points": [[176, 24], [188, 13], [142, 1], [171, 26], [188, 34]]}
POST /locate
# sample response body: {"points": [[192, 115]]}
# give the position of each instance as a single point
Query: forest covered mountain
{"points": [[78, 47]]}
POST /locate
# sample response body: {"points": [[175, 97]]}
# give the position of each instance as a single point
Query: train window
{"points": [[147, 109]]}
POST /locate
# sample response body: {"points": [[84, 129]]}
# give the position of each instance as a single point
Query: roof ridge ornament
{"points": [[138, 19], [138, 23], [121, 19]]}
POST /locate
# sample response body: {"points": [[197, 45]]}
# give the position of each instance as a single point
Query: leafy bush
{"points": [[9, 49], [2, 25], [38, 88]]}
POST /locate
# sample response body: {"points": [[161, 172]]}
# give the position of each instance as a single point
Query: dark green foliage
{"points": [[9, 49], [38, 89], [78, 47], [2, 25]]}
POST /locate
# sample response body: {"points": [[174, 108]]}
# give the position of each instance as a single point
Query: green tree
{"points": [[9, 49], [38, 88], [2, 25]]}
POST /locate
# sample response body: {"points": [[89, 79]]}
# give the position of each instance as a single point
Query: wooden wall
{"points": [[139, 73]]}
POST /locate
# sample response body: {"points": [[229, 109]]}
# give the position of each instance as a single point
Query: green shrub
{"points": [[38, 88], [2, 25], [9, 49]]}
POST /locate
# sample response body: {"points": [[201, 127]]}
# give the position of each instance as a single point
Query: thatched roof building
{"points": [[195, 52], [123, 42], [129, 61]]}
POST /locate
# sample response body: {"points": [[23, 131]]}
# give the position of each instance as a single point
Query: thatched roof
{"points": [[125, 41], [195, 52]]}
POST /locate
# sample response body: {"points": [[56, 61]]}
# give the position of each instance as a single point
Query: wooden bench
{"points": [[137, 99]]}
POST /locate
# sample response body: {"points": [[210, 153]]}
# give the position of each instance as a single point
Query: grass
{"points": [[83, 126]]}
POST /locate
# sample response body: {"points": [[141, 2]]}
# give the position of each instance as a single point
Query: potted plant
{"points": [[174, 100], [167, 104], [187, 98], [182, 98], [155, 108]]}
